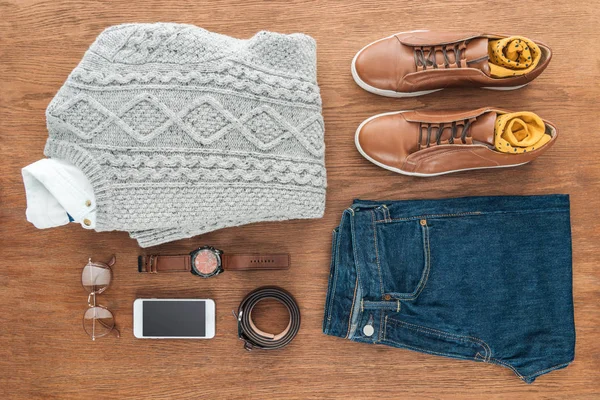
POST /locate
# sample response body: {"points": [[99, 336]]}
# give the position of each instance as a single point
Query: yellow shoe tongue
{"points": [[519, 132], [512, 56]]}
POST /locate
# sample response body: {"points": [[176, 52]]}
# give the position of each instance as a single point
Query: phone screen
{"points": [[174, 318]]}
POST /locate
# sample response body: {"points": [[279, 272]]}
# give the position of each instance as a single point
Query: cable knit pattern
{"points": [[182, 131], [237, 77]]}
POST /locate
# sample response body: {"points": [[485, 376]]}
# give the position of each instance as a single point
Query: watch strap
{"points": [[243, 262], [154, 263]]}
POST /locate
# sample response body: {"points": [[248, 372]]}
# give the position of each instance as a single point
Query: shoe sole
{"points": [[393, 93], [399, 171]]}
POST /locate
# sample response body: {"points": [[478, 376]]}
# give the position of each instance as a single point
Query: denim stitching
{"points": [[427, 260], [507, 365], [371, 321], [426, 269], [474, 213], [538, 373], [382, 305], [425, 216], [377, 253], [352, 309], [544, 211], [428, 351], [357, 274], [419, 328], [472, 339], [385, 328], [332, 275], [380, 326], [386, 213], [337, 255]]}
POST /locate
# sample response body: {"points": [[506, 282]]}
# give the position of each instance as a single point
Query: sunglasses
{"points": [[98, 321]]}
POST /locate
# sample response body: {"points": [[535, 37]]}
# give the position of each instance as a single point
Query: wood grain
{"points": [[44, 352]]}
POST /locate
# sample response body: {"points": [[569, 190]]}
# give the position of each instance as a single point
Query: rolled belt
{"points": [[253, 337]]}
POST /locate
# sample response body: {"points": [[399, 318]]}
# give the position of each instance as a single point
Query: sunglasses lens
{"points": [[95, 277], [98, 322]]}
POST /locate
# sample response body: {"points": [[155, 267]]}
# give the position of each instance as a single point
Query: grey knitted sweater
{"points": [[182, 131]]}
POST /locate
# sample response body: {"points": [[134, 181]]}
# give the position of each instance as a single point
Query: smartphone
{"points": [[174, 318]]}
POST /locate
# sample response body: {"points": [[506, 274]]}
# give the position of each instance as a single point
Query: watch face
{"points": [[206, 262]]}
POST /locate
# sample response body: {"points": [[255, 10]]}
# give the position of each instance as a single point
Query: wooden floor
{"points": [[44, 352]]}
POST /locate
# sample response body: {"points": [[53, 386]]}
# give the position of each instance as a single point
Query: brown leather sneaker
{"points": [[430, 143], [421, 62]]}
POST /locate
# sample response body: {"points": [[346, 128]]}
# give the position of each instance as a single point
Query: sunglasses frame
{"points": [[92, 301]]}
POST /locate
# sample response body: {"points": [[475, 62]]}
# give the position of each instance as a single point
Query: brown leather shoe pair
{"points": [[429, 143]]}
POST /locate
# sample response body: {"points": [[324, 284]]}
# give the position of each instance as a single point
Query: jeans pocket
{"points": [[403, 256]]}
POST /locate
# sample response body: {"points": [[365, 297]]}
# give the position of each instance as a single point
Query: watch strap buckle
{"points": [[151, 264], [147, 264]]}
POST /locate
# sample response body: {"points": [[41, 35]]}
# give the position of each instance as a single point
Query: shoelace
{"points": [[438, 130], [430, 61]]}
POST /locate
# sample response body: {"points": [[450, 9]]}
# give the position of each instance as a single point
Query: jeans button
{"points": [[387, 297], [368, 330]]}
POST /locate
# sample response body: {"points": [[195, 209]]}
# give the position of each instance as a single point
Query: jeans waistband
{"points": [[465, 205]]}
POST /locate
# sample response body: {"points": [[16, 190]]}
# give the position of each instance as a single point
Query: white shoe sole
{"points": [[399, 171], [502, 88], [393, 93]]}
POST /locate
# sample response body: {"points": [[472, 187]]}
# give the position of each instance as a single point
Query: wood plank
{"points": [[44, 352]]}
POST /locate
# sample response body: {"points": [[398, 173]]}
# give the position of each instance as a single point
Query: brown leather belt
{"points": [[253, 337]]}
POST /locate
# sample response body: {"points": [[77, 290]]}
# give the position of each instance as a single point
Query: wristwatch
{"points": [[207, 261]]}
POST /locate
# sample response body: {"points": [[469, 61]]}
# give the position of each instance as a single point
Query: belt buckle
{"points": [[247, 345]]}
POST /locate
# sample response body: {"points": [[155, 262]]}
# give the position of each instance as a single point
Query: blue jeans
{"points": [[478, 278]]}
